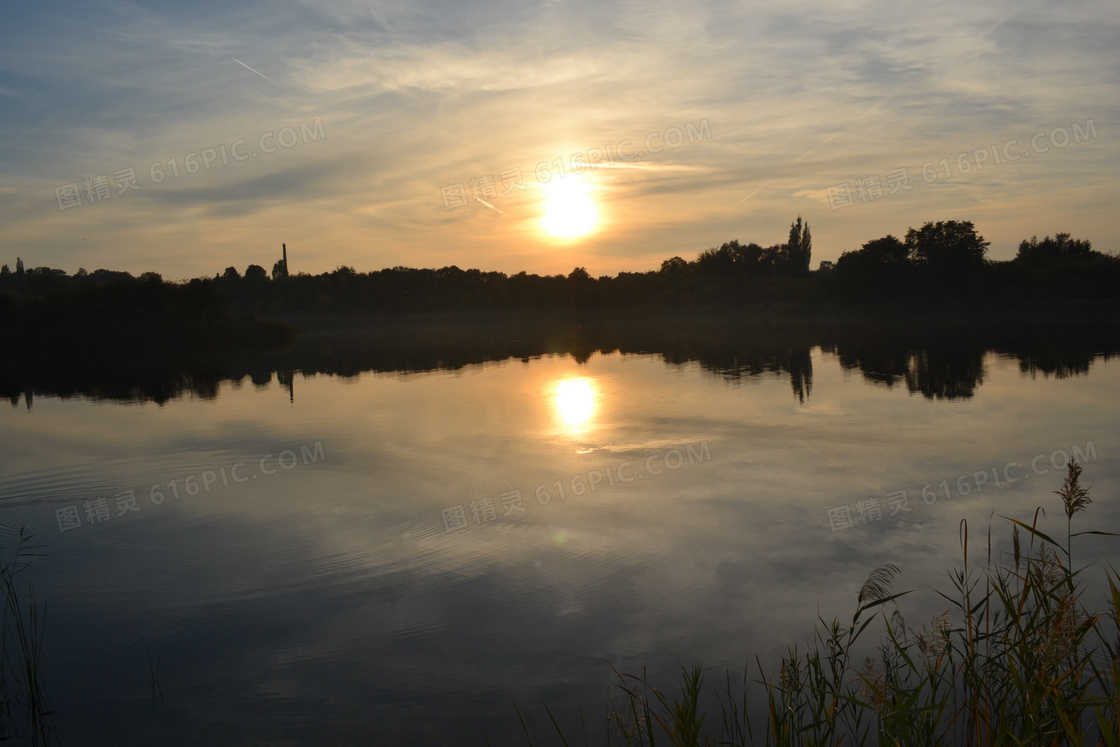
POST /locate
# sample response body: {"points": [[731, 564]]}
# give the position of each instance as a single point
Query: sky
{"points": [[183, 138]]}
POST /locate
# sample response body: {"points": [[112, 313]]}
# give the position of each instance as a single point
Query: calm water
{"points": [[374, 581]]}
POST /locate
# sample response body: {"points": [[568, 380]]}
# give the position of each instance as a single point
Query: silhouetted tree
{"points": [[671, 266], [255, 273], [774, 258], [19, 267], [717, 261], [102, 275], [887, 251], [947, 245], [1050, 249], [733, 258], [879, 270], [799, 249]]}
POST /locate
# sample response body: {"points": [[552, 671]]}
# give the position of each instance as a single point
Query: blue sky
{"points": [[363, 118]]}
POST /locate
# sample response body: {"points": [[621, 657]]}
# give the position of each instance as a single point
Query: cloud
{"points": [[419, 96]]}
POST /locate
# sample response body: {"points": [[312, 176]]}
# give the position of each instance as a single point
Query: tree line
{"points": [[941, 263], [948, 259]]}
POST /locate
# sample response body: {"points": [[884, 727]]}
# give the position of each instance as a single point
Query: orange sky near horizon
{"points": [[182, 141]]}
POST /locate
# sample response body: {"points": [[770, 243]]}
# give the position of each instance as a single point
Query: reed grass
{"points": [[25, 713], [1015, 659]]}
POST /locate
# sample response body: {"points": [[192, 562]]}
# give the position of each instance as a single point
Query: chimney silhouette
{"points": [[285, 247]]}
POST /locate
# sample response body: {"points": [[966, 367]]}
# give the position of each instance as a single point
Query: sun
{"points": [[569, 209]]}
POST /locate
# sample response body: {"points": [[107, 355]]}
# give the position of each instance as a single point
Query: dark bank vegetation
{"points": [[1016, 658], [111, 334], [938, 270], [44, 308], [740, 309], [941, 268]]}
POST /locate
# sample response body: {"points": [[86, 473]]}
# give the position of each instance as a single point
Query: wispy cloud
{"points": [[414, 98], [270, 80]]}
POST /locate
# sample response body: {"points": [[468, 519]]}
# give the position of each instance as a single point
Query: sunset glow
{"points": [[575, 401], [449, 135], [569, 210]]}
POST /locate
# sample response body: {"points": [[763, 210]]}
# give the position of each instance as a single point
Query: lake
{"points": [[361, 542]]}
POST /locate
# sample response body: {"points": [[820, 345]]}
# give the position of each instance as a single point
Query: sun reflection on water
{"points": [[575, 402]]}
